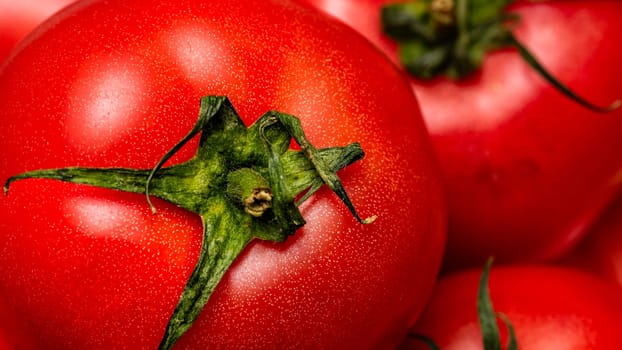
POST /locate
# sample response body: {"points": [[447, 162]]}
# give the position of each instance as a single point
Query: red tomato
{"points": [[600, 252], [19, 17], [12, 332], [117, 84], [549, 308], [527, 169]]}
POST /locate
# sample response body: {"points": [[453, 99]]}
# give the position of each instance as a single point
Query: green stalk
{"points": [[487, 316]]}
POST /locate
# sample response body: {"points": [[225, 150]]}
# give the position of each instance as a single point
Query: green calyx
{"points": [[452, 37], [448, 37], [487, 316], [243, 182]]}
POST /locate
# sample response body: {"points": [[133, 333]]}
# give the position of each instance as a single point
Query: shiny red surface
{"points": [[20, 17], [527, 170], [116, 84]]}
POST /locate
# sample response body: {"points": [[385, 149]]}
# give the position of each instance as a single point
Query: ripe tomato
{"points": [[548, 307], [117, 84], [19, 17], [12, 332], [527, 169], [600, 252]]}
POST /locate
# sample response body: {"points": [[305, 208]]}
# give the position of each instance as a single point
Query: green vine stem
{"points": [[487, 318], [243, 182], [452, 37]]}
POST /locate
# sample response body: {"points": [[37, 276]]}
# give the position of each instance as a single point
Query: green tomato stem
{"points": [[218, 251], [242, 182], [487, 316], [486, 313], [452, 37], [537, 66]]}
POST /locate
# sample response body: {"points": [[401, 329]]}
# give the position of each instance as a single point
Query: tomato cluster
{"points": [[529, 174], [310, 174]]}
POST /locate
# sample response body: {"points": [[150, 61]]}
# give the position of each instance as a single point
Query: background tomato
{"points": [[19, 17], [600, 252], [550, 308], [12, 332], [116, 84], [527, 169]]}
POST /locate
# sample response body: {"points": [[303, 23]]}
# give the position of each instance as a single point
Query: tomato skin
{"points": [[12, 332], [527, 170], [93, 268], [549, 308], [18, 18], [600, 251]]}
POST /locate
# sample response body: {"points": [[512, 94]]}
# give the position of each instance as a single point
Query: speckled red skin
{"points": [[116, 84]]}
